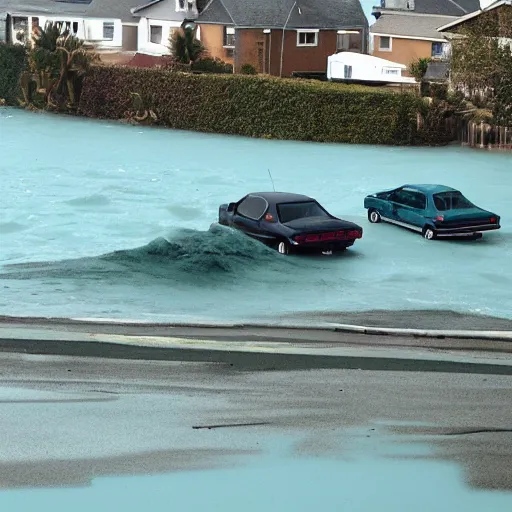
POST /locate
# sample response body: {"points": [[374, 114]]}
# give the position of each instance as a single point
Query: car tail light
{"points": [[439, 218], [269, 217], [492, 220], [329, 236]]}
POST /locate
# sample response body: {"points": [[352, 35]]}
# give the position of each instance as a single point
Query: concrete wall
{"points": [[144, 45]]}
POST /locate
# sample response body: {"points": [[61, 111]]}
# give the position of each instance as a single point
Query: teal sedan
{"points": [[435, 211]]}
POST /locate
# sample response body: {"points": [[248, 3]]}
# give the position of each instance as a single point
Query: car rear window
{"points": [[293, 211], [451, 201]]}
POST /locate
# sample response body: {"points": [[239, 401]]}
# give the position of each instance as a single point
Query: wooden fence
{"points": [[483, 135]]}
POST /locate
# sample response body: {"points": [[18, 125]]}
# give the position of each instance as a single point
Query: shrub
{"points": [[13, 61], [418, 68], [210, 65], [248, 69], [255, 106]]}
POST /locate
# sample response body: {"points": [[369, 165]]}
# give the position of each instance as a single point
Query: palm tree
{"points": [[59, 60], [185, 47]]}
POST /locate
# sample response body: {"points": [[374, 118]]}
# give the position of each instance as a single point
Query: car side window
{"points": [[420, 201], [410, 198], [252, 207]]}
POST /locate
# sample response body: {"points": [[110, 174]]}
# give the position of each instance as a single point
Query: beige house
{"points": [[406, 30]]}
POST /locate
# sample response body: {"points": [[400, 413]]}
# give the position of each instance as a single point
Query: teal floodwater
{"points": [[99, 219], [369, 480]]}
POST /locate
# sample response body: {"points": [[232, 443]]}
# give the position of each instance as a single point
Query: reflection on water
{"points": [[280, 480]]}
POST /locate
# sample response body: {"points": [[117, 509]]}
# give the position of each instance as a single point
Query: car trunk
{"points": [[468, 216], [319, 225]]}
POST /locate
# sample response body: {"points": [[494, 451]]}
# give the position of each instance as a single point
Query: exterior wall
{"points": [[300, 58], [144, 45], [403, 51], [251, 48], [94, 33], [263, 51], [212, 36]]}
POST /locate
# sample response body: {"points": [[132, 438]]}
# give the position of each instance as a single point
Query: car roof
{"points": [[281, 197], [431, 188]]}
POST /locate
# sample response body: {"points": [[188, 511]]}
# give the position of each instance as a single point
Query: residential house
{"points": [[280, 37], [158, 19], [406, 30], [499, 13], [107, 25]]}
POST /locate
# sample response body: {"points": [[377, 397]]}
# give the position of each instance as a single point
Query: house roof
{"points": [[446, 7], [44, 7], [328, 14], [434, 7], [437, 71], [406, 25], [108, 9], [118, 9], [160, 10], [474, 14]]}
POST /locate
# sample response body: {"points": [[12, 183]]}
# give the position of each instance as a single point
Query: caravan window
{"points": [[347, 71]]}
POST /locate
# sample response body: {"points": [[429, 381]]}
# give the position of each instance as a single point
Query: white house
{"points": [[106, 25], [157, 21], [358, 67]]}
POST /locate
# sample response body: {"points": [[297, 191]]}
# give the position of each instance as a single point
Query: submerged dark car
{"points": [[432, 210], [289, 223]]}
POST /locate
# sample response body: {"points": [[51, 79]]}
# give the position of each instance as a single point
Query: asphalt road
{"points": [[67, 420]]}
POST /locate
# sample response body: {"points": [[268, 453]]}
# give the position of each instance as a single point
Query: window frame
{"points": [[228, 31], [306, 32], [161, 33], [250, 196], [390, 48], [109, 24]]}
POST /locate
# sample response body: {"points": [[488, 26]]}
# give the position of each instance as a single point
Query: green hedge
{"points": [[13, 61], [255, 106]]}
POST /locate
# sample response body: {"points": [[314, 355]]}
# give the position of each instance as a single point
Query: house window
{"points": [[181, 5], [349, 41], [438, 50], [229, 37], [307, 38], [108, 31], [347, 71], [385, 43], [20, 27], [155, 34], [391, 71], [75, 27]]}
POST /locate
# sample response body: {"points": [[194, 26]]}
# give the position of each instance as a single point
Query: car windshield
{"points": [[451, 201], [293, 211]]}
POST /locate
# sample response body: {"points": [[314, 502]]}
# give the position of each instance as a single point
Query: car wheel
{"points": [[374, 216], [429, 233], [283, 248]]}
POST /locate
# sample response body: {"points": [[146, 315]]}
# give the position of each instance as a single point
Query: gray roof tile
{"points": [[275, 13], [410, 25]]}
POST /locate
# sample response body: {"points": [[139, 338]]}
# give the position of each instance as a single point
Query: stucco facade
{"points": [[402, 50]]}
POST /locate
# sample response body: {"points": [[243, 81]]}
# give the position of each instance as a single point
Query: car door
{"points": [[413, 208]]}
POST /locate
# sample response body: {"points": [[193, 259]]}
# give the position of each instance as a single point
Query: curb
{"points": [[505, 336]]}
